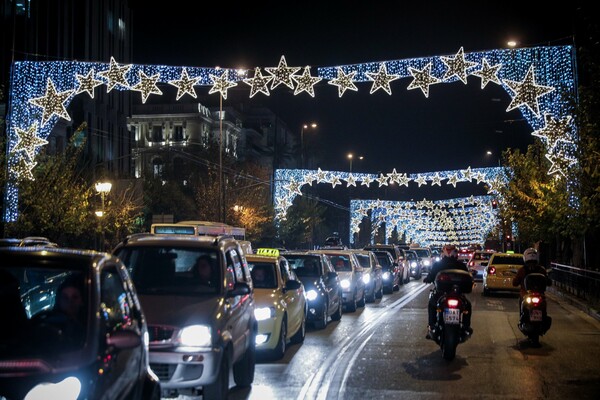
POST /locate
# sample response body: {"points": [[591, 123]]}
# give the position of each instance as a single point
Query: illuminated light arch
{"points": [[539, 80]]}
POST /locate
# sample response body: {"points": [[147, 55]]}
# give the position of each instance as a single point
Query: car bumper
{"points": [[180, 370], [315, 310], [499, 283], [271, 328]]}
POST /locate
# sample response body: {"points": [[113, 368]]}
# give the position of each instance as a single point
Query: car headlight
{"points": [[262, 313], [413, 264], [386, 275], [345, 283], [426, 263], [67, 389], [195, 336], [311, 295], [366, 278]]}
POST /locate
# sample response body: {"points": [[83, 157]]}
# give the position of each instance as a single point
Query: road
{"points": [[380, 352]]}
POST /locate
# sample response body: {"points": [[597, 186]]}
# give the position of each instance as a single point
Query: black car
{"points": [[321, 285], [77, 329], [391, 278]]}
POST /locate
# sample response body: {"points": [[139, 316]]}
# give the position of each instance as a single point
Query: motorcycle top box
{"points": [[446, 279], [535, 282]]}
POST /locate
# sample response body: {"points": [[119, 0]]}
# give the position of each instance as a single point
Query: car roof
{"points": [[175, 240], [83, 256], [265, 259]]}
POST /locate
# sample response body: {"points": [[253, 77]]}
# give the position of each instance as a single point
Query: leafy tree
{"points": [[303, 223]]}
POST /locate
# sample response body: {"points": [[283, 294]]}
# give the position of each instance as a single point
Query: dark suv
{"points": [[396, 253], [198, 297]]}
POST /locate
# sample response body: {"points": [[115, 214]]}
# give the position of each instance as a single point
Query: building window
{"points": [[157, 133], [204, 136], [158, 167], [178, 133]]}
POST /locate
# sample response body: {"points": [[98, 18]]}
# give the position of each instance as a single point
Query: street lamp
{"points": [[312, 125], [103, 188], [489, 153], [350, 157]]}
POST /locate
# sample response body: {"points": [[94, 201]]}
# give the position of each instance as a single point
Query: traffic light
{"points": [[494, 203]]}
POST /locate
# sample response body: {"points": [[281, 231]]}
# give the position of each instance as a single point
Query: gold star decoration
{"points": [[560, 163], [221, 84], [436, 180], [28, 141], [527, 92], [258, 83], [394, 176], [147, 85], [554, 131], [335, 181], [403, 180], [115, 75], [306, 82], [488, 73], [421, 180], [52, 103], [422, 79], [381, 80], [344, 81], [293, 187], [282, 74], [366, 181], [23, 170], [185, 84], [452, 180], [350, 181], [87, 83], [466, 174], [457, 66], [321, 175], [479, 177]]}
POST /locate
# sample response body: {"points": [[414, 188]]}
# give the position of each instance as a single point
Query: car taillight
{"points": [[491, 270], [453, 303]]}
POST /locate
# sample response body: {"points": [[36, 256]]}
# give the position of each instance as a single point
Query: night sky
{"points": [[452, 129]]}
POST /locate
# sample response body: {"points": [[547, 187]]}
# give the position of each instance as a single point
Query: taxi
{"points": [[280, 302], [500, 271]]}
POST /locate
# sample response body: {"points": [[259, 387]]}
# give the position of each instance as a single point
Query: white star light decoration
{"points": [[147, 85], [381, 79], [527, 92], [306, 82], [53, 102], [221, 84], [185, 85], [258, 83], [560, 163], [344, 81], [555, 131], [87, 83], [457, 66], [23, 170], [422, 79], [28, 141], [282, 74], [115, 75], [488, 73]]}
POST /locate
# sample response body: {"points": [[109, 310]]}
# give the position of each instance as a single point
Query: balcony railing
{"points": [[579, 282]]}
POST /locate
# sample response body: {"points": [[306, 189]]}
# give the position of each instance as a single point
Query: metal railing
{"points": [[579, 282]]}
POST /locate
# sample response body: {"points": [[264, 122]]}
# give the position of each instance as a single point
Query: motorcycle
{"points": [[451, 285], [534, 320]]}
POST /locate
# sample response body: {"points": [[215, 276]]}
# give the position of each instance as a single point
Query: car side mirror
{"points": [[239, 289], [124, 339], [293, 285]]}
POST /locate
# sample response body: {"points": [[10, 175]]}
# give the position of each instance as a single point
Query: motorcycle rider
{"points": [[531, 259], [449, 260]]}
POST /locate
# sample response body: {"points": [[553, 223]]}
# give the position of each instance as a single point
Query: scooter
{"points": [[451, 310], [534, 320]]}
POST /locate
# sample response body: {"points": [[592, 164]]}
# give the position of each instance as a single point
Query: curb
{"points": [[576, 302]]}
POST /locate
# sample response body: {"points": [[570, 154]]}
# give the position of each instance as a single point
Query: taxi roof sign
{"points": [[267, 252]]}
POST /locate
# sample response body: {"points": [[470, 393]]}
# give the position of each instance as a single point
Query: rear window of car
{"points": [[304, 265], [384, 259], [422, 252], [482, 256], [341, 262], [507, 260], [364, 260]]}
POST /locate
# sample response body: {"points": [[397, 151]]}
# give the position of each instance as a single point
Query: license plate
{"points": [[535, 315], [451, 316]]}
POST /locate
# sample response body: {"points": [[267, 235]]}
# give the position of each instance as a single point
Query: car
{"points": [[279, 301], [37, 241], [202, 326], [413, 263], [77, 329], [397, 255], [350, 272], [424, 254], [500, 271], [321, 285], [372, 274], [465, 254], [478, 262], [389, 269]]}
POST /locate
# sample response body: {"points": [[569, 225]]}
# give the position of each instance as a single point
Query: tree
{"points": [[303, 223]]}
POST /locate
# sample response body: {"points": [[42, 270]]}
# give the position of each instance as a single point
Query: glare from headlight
{"points": [[261, 338], [345, 283], [386, 275], [195, 336], [413, 264], [366, 278], [426, 263], [311, 295], [67, 389], [262, 313]]}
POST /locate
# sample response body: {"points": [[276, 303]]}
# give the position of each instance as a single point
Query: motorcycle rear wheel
{"points": [[450, 339]]}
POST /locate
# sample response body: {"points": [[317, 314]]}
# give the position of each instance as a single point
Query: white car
{"points": [[478, 261], [424, 253]]}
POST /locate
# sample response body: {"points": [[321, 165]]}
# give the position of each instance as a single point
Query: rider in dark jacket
{"points": [[449, 260]]}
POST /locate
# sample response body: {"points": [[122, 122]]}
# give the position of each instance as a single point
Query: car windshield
{"points": [[481, 256], [384, 260], [422, 252], [364, 260], [172, 270], [411, 255], [263, 275], [508, 260], [45, 310], [341, 262], [304, 265]]}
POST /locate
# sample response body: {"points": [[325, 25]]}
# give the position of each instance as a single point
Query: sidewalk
{"points": [[575, 302]]}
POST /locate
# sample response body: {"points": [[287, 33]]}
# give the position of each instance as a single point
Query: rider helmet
{"points": [[449, 250], [530, 254]]}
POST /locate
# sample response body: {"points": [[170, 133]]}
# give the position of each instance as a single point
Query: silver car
{"points": [[372, 274]]}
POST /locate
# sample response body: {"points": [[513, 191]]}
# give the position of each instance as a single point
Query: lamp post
{"points": [[103, 188], [350, 157], [489, 153], [305, 126]]}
